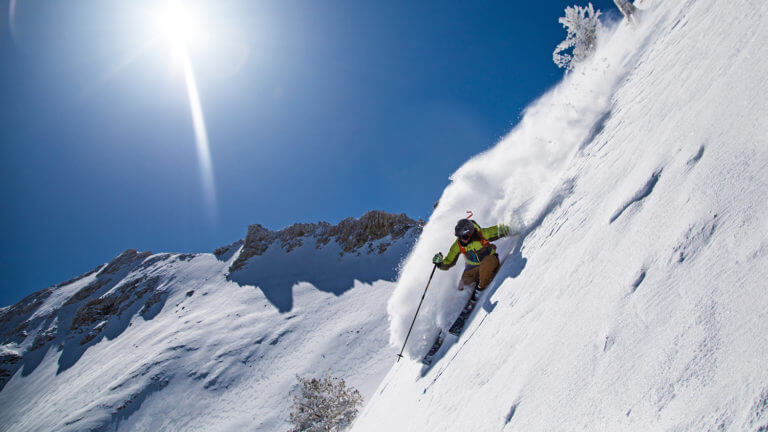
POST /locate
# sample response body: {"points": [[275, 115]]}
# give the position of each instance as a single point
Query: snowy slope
{"points": [[635, 298], [205, 341]]}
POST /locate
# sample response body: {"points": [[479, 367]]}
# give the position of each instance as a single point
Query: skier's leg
{"points": [[458, 325], [487, 270], [469, 278]]}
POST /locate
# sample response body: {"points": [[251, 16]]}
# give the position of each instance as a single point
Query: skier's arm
{"points": [[450, 259], [497, 231]]}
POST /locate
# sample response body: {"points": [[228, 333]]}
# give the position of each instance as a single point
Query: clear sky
{"points": [[314, 110]]}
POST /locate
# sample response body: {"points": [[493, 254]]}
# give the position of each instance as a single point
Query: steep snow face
{"points": [[182, 342], [518, 182], [634, 297]]}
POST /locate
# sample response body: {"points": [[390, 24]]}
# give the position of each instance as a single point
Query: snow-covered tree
{"points": [[323, 405], [582, 25]]}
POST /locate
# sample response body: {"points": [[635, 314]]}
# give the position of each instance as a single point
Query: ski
{"points": [[427, 359], [458, 325], [455, 329]]}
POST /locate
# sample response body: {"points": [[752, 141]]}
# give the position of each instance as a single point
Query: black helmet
{"points": [[464, 229]]}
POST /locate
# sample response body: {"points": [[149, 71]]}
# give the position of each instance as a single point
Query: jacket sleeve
{"points": [[497, 231], [450, 259]]}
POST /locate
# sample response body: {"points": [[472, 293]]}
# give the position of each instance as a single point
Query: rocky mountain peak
{"points": [[352, 234], [127, 257], [76, 314]]}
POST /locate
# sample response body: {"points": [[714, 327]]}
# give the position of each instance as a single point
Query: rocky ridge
{"points": [[74, 315], [100, 297], [352, 234]]}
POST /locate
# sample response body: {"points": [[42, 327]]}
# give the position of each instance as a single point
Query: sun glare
{"points": [[178, 25], [180, 28]]}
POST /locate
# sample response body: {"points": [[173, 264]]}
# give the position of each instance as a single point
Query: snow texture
{"points": [[176, 342], [634, 299], [520, 182]]}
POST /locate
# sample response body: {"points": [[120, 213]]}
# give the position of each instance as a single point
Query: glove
{"points": [[503, 230], [438, 259]]}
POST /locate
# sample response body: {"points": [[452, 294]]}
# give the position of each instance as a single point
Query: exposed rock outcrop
{"points": [[86, 291], [87, 310], [12, 319], [74, 315], [101, 309], [128, 257], [8, 361], [224, 251], [352, 234], [82, 276]]}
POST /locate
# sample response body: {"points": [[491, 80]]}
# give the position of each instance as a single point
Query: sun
{"points": [[178, 25], [180, 28]]}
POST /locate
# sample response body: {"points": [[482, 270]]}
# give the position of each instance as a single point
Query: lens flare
{"points": [[12, 18], [180, 27], [201, 139]]}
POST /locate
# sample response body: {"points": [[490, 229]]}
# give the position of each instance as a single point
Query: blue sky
{"points": [[315, 110]]}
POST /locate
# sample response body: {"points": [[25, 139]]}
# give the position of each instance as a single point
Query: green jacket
{"points": [[475, 250]]}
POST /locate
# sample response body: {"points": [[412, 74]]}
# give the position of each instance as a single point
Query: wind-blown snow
{"points": [[636, 297], [517, 182]]}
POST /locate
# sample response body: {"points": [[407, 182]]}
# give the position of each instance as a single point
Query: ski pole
{"points": [[399, 356]]}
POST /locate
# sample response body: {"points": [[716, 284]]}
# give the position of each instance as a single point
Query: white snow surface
{"points": [[634, 297], [215, 353]]}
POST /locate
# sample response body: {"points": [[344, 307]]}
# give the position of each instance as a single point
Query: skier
{"points": [[482, 261]]}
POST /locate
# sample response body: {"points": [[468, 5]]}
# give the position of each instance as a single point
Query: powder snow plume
{"points": [[516, 182]]}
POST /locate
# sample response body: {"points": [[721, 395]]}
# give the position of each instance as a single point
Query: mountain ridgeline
{"points": [[84, 319], [355, 236]]}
